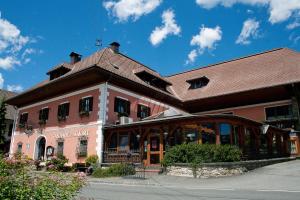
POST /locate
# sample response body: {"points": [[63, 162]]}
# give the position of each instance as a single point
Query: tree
{"points": [[2, 121]]}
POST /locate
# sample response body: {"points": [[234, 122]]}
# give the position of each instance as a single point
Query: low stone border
{"points": [[207, 170]]}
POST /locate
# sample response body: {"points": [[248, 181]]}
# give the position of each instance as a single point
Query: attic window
{"points": [[198, 82], [58, 72], [153, 80]]}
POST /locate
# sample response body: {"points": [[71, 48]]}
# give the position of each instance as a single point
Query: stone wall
{"points": [[207, 170], [204, 172]]}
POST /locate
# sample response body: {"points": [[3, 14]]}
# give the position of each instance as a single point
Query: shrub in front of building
{"points": [[92, 160], [115, 170], [201, 153], [57, 163], [18, 182]]}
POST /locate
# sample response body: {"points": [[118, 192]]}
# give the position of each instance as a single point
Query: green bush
{"points": [[19, 183], [57, 163], [114, 170], [92, 160], [201, 153]]}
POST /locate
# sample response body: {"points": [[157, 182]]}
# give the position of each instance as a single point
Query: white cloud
{"points": [[249, 30], [169, 27], [192, 57], [1, 81], [8, 62], [15, 88], [134, 9], [293, 25], [279, 10], [207, 38], [12, 44]]}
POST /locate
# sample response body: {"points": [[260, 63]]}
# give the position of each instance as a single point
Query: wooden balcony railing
{"points": [[114, 156]]}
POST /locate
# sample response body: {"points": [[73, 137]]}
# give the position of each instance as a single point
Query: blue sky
{"points": [[169, 36]]}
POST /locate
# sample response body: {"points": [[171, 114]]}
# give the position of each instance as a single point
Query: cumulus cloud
{"points": [[279, 10], [192, 57], [169, 27], [15, 88], [206, 39], [1, 81], [8, 62], [249, 30], [134, 9], [12, 43]]}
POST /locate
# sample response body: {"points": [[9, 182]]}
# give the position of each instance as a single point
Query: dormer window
{"points": [[59, 71], [198, 82], [152, 80]]}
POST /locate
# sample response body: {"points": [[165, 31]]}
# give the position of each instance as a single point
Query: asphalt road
{"points": [[279, 181]]}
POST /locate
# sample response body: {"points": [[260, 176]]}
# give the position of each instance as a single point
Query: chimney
{"points": [[114, 46], [75, 57]]}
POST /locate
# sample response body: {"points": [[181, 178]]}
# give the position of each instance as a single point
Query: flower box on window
{"points": [[61, 118], [84, 113], [21, 125]]}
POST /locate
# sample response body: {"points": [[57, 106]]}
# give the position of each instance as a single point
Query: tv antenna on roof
{"points": [[98, 43]]}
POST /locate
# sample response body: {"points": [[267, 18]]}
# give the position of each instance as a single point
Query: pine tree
{"points": [[2, 121]]}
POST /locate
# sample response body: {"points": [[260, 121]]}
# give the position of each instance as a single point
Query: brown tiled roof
{"points": [[267, 69], [275, 67], [65, 65], [10, 110], [116, 63]]}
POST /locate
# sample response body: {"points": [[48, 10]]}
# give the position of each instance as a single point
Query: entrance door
{"points": [[41, 148], [155, 149]]}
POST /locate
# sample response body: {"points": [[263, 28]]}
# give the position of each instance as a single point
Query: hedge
{"points": [[201, 153], [114, 170]]}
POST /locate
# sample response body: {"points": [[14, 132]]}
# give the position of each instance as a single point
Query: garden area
{"points": [[19, 180]]}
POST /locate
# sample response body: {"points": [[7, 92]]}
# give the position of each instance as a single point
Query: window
{"points": [[198, 83], [152, 80], [23, 120], [143, 111], [225, 131], [43, 115], [19, 147], [63, 111], [235, 136], [113, 142], [10, 129], [279, 112], [82, 148], [122, 107], [191, 136], [86, 105], [60, 147], [208, 134], [123, 140]]}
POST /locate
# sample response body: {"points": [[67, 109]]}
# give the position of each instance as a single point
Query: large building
{"points": [[113, 106]]}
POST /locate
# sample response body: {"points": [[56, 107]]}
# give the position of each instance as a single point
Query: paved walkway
{"points": [[279, 181]]}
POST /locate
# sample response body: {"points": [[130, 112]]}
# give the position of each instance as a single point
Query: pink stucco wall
{"points": [[70, 130], [134, 101], [256, 113]]}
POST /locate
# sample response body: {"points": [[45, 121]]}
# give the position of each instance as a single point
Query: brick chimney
{"points": [[74, 57], [115, 47]]}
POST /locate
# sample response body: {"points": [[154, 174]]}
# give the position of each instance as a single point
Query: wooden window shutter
{"points": [[41, 115], [59, 112], [127, 108], [139, 110], [90, 99], [67, 107], [46, 113], [116, 104]]}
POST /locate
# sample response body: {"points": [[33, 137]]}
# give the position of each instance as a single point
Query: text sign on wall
{"points": [[66, 134]]}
